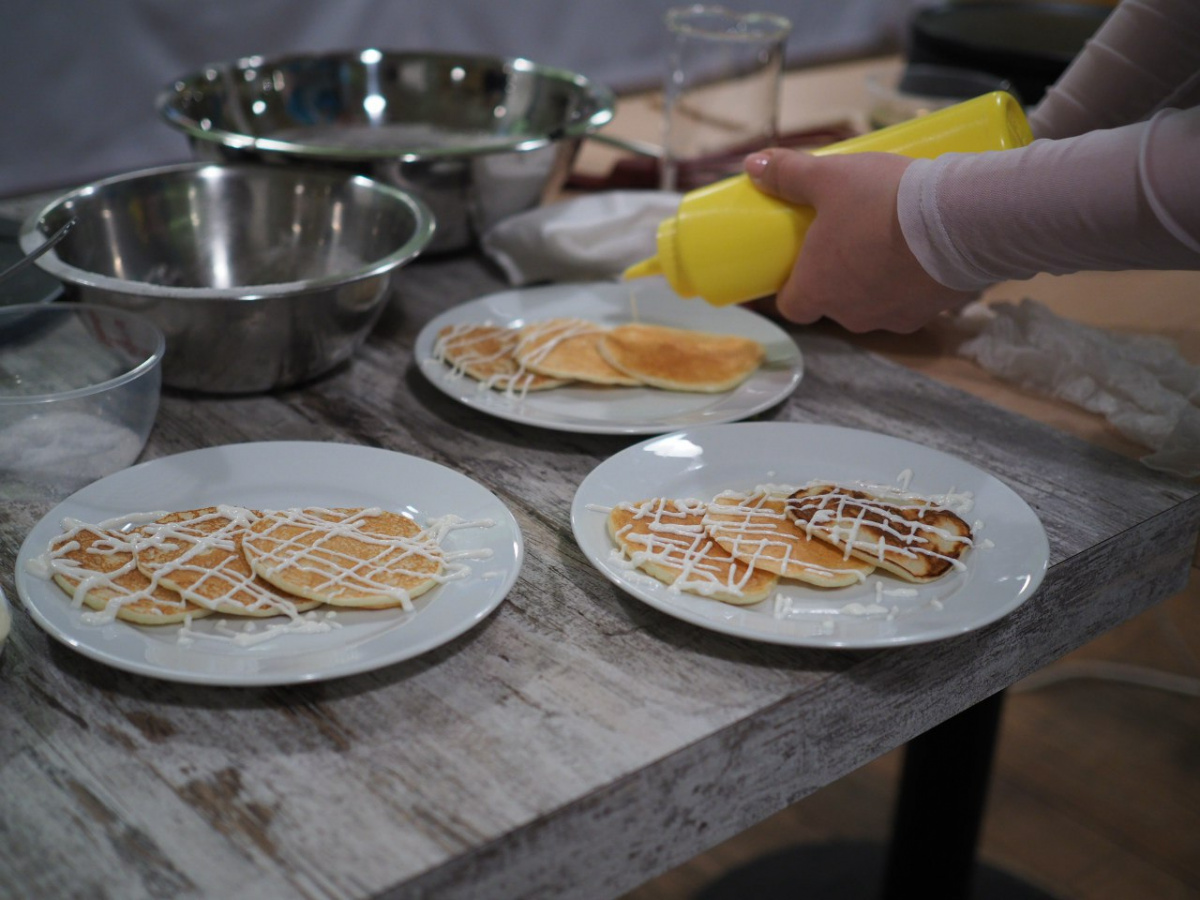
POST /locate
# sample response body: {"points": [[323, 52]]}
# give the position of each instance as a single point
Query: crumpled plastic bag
{"points": [[593, 237], [1139, 383]]}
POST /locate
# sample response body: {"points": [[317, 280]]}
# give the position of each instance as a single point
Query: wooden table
{"points": [[577, 742]]}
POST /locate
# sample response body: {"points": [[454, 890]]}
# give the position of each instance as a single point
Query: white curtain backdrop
{"points": [[80, 76]]}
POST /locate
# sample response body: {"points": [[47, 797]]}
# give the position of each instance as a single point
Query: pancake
{"points": [[679, 360], [345, 557], [666, 539], [96, 567], [909, 537], [199, 554], [756, 529], [485, 352], [566, 348]]}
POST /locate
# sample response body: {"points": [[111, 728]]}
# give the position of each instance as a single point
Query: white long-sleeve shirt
{"points": [[1113, 181]]}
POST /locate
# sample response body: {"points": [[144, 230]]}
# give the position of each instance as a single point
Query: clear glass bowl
{"points": [[79, 391]]}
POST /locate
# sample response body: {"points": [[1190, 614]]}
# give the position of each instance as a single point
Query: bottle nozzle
{"points": [[643, 269]]}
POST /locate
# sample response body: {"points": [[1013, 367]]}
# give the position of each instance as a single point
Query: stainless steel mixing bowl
{"points": [[259, 276], [477, 138]]}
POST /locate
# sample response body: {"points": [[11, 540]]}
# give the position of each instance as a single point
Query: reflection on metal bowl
{"points": [[476, 138], [260, 277]]}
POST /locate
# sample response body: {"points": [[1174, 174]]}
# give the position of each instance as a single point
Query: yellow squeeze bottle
{"points": [[729, 242]]}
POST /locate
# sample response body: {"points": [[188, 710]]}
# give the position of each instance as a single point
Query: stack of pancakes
{"points": [[555, 352], [174, 567], [737, 547]]}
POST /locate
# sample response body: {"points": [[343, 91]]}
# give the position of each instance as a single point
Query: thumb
{"points": [[787, 174]]}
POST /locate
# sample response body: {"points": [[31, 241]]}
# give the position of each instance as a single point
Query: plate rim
{"points": [[23, 578], [423, 346], [579, 504]]}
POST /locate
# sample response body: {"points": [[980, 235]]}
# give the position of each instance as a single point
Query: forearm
{"points": [[1126, 198], [1145, 56]]}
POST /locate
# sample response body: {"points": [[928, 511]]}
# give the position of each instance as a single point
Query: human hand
{"points": [[855, 266]]}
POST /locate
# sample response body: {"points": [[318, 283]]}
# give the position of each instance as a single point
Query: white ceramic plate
{"points": [[605, 410], [280, 475], [1002, 571], [5, 619]]}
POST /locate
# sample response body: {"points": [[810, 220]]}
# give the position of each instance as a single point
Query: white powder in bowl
{"points": [[66, 446]]}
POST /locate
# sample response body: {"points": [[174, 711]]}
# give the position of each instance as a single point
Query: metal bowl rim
{"points": [[602, 96], [31, 236], [146, 365]]}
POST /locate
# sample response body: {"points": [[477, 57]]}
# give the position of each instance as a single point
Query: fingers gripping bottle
{"points": [[730, 242]]}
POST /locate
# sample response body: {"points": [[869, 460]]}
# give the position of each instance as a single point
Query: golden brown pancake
{"points": [[914, 539], [756, 529], [198, 553], [679, 360], [344, 557], [485, 352], [666, 539], [101, 564], [566, 348]]}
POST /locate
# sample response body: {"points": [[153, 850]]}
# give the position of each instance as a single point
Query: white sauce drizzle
{"points": [[679, 545], [106, 539], [460, 347], [752, 527], [673, 541], [228, 585], [465, 340], [881, 592], [393, 560], [249, 635], [838, 516], [863, 609], [547, 336], [142, 533]]}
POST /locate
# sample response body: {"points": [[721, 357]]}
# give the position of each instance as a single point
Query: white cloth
{"points": [[597, 236], [1139, 383]]}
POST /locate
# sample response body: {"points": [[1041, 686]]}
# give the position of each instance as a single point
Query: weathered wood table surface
{"points": [[575, 743]]}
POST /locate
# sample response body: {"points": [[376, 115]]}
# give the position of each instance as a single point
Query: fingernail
{"points": [[756, 165]]}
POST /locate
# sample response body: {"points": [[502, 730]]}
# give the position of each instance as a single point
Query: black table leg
{"points": [[939, 810], [935, 833]]}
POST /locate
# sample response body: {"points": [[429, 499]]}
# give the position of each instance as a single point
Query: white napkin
{"points": [[596, 236], [1139, 383]]}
